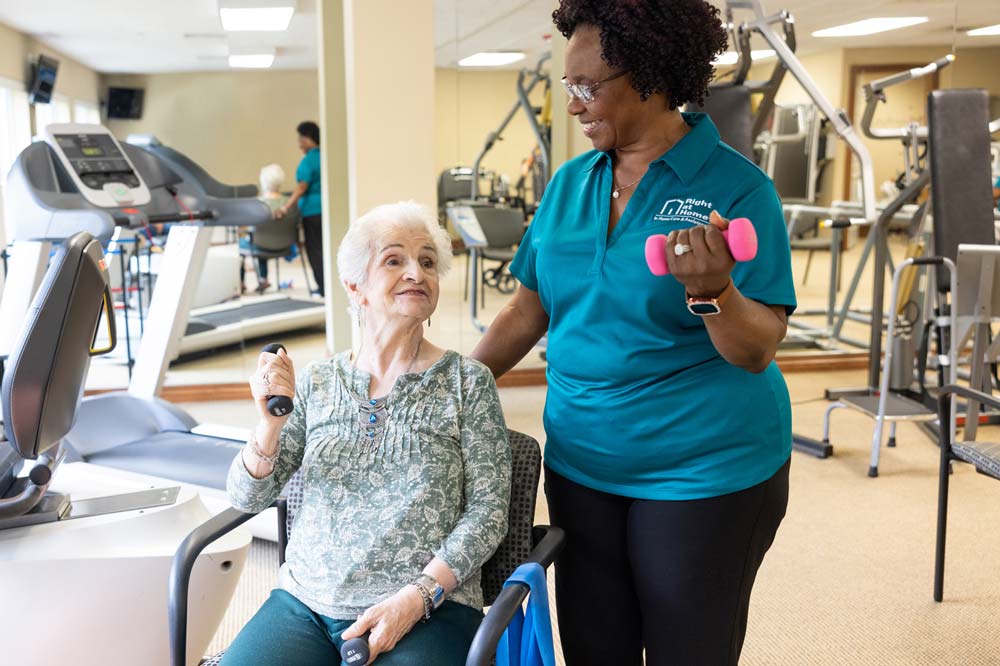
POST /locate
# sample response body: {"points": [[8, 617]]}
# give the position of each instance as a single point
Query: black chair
{"points": [[503, 227], [523, 543], [985, 456], [274, 240]]}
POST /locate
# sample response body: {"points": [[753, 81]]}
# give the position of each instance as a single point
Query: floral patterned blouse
{"points": [[430, 478]]}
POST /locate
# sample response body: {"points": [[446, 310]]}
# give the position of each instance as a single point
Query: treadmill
{"points": [[82, 179], [244, 319]]}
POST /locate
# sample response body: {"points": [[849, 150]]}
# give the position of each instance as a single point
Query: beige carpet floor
{"points": [[848, 580]]}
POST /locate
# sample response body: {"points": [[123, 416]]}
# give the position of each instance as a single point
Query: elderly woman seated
{"points": [[272, 176], [406, 468]]}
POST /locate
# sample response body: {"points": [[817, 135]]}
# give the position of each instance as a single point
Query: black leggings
{"points": [[312, 227], [673, 577]]}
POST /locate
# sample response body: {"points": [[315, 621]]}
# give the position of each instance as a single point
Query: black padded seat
{"points": [[984, 455], [180, 456], [729, 108], [498, 254]]}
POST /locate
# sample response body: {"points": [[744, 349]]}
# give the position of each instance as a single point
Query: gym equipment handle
{"points": [[33, 490], [277, 405], [928, 261], [355, 652], [125, 221], [741, 238]]}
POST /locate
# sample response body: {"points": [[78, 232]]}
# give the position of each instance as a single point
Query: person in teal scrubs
{"points": [[996, 193], [668, 428], [307, 195]]}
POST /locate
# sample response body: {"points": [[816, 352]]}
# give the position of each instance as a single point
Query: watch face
{"points": [[702, 308]]}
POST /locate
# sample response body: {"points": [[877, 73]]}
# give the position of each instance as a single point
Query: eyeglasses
{"points": [[586, 93]]}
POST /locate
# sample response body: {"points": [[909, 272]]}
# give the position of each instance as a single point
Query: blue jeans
{"points": [[285, 631]]}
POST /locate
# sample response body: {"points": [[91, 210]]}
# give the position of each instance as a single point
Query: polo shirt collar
{"points": [[688, 156]]}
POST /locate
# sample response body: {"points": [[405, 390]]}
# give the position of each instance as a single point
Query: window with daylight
{"points": [[56, 111], [15, 129], [86, 112]]}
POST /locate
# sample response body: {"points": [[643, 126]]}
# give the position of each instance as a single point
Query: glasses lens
{"points": [[576, 91]]}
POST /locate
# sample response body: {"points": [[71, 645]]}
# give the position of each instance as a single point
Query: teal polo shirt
{"points": [[308, 172], [640, 403]]}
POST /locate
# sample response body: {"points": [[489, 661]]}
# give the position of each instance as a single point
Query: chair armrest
{"points": [[944, 412], [180, 574], [281, 504], [968, 394], [549, 541]]}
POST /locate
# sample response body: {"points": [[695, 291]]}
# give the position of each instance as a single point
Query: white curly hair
{"points": [[361, 241], [272, 177]]}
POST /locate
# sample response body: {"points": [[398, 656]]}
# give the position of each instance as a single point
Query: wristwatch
{"points": [[433, 589], [704, 307]]}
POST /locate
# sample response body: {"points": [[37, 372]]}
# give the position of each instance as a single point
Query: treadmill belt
{"points": [[179, 456], [249, 311]]}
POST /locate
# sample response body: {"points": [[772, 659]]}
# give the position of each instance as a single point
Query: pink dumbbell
{"points": [[740, 237]]}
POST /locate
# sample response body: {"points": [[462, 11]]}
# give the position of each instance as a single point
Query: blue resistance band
{"points": [[528, 638]]}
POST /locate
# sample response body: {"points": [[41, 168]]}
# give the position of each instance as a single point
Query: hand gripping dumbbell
{"points": [[740, 237]]}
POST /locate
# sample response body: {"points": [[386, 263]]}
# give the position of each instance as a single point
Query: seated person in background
{"points": [[406, 468], [272, 177]]}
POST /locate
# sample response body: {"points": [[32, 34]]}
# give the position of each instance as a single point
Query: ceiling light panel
{"points": [[988, 31], [491, 59], [732, 57], [252, 61], [871, 26], [255, 19]]}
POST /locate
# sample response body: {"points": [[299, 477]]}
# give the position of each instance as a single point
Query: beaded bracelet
{"points": [[271, 460]]}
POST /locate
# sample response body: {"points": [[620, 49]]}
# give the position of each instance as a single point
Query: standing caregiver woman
{"points": [[668, 429]]}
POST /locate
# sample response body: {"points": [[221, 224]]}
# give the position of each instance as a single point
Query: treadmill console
{"points": [[97, 165]]}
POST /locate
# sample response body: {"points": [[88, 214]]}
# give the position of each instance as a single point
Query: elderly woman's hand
{"points": [[275, 375], [388, 621], [704, 270]]}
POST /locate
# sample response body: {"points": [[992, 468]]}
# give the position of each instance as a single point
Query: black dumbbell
{"points": [[355, 652], [277, 405]]}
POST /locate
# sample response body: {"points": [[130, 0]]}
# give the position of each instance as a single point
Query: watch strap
{"points": [[721, 299], [434, 590]]}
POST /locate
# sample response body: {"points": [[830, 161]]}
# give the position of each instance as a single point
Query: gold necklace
{"points": [[617, 190]]}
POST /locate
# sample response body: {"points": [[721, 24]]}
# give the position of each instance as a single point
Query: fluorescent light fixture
{"points": [[732, 57], [259, 19], [985, 32], [491, 59], [252, 60], [870, 26]]}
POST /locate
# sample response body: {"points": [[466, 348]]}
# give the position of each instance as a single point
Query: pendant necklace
{"points": [[373, 415], [617, 190]]}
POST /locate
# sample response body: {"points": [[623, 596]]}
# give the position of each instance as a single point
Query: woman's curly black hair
{"points": [[667, 46]]}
